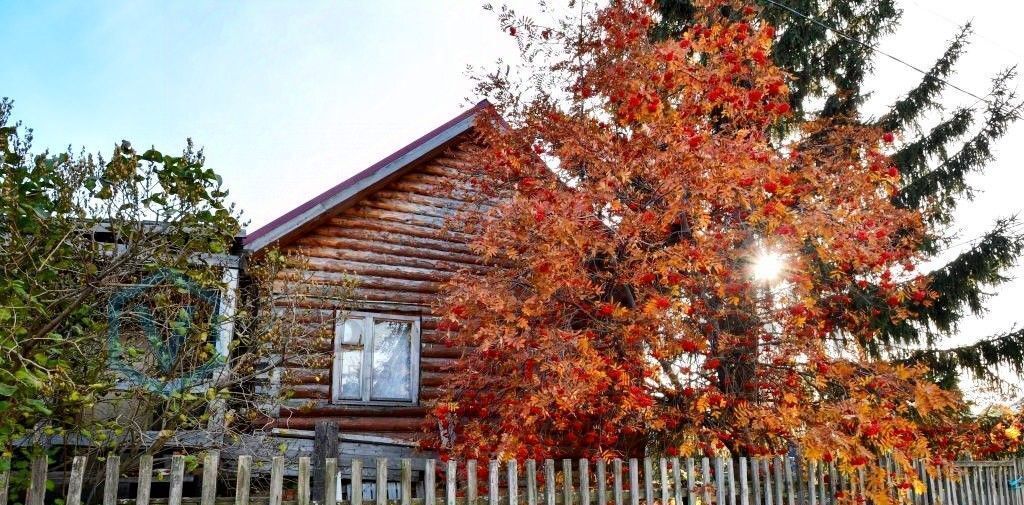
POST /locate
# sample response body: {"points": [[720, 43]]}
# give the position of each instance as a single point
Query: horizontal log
{"points": [[440, 351], [395, 244], [321, 409], [426, 189], [435, 364], [398, 204], [383, 225], [322, 391], [367, 287], [438, 202], [428, 394], [432, 379], [408, 218], [313, 376], [349, 424], [326, 264]]}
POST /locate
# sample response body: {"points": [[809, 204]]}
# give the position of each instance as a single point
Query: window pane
{"points": [[391, 364], [351, 365], [352, 331]]}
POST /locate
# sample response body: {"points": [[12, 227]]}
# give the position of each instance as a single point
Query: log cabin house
{"points": [[384, 228]]}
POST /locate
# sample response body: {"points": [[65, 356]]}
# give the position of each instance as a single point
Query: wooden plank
{"points": [[74, 496], [584, 482], [766, 469], [634, 481], [744, 484], [812, 481], [450, 489], [243, 479], [430, 482], [512, 478], [357, 482], [549, 481], [110, 482], [531, 482], [406, 481], [145, 480], [5, 478], [705, 468], [305, 469], [471, 490], [663, 479], [677, 478], [601, 481], [492, 482], [754, 469], [731, 474], [567, 487], [178, 478], [691, 481], [37, 480], [209, 491], [649, 480], [719, 480], [617, 481], [779, 483], [330, 477], [382, 481], [788, 472]]}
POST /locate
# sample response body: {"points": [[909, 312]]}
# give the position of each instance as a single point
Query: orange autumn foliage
{"points": [[628, 198]]}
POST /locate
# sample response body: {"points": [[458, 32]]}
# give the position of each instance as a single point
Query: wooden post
{"points": [[330, 481], [512, 476], [617, 481], [178, 477], [145, 479], [705, 471], [648, 481], [450, 487], [549, 481], [602, 482], [276, 480], [406, 481], [471, 489], [382, 481], [210, 462], [634, 481], [356, 497], [75, 482], [325, 445], [493, 481], [663, 479], [37, 483], [531, 482], [302, 496], [584, 482], [430, 482], [242, 480], [110, 484], [567, 487]]}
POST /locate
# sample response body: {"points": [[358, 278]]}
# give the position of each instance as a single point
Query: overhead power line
{"points": [[873, 48]]}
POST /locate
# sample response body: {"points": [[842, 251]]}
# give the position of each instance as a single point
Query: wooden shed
{"points": [[385, 228]]}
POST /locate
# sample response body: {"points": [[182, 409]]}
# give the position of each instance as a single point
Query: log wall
{"points": [[394, 244]]}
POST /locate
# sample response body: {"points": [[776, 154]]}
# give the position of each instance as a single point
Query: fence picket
{"points": [[145, 479], [705, 469], [243, 479], [663, 478], [731, 474], [37, 481], [330, 481], [450, 487], [602, 482], [744, 489], [754, 469], [584, 482], [567, 487], [75, 482], [634, 482], [648, 481], [356, 494], [812, 492], [690, 480], [531, 482], [787, 471], [719, 484], [677, 481], [549, 481], [492, 482], [512, 475], [617, 481], [5, 478], [178, 478], [406, 482], [430, 482], [209, 491], [110, 483], [382, 481], [471, 489]]}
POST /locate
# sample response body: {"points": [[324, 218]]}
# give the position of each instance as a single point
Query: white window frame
{"points": [[366, 372]]}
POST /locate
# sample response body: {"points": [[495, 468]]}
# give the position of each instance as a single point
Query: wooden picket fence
{"points": [[647, 481]]}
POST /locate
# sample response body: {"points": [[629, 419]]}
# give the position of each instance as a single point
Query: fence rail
{"points": [[647, 481]]}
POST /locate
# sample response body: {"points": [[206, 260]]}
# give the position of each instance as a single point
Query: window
{"points": [[376, 358]]}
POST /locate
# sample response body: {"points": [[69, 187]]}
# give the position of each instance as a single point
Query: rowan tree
{"points": [[633, 187]]}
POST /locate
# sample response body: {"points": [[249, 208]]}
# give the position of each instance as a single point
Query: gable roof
{"points": [[327, 203]]}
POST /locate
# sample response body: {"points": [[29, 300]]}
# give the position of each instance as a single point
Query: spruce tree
{"points": [[828, 49]]}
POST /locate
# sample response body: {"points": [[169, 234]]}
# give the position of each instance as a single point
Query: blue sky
{"points": [[290, 98]]}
